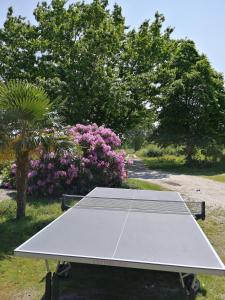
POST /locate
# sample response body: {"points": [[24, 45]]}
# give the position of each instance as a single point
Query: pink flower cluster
{"points": [[49, 175], [92, 134], [100, 164]]}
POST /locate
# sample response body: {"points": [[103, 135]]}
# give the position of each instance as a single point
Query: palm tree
{"points": [[25, 113]]}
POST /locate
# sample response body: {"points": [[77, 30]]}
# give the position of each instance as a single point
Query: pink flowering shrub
{"points": [[52, 174], [99, 164]]}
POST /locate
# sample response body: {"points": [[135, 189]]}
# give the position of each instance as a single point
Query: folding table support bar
{"points": [[55, 287], [190, 283], [51, 283], [48, 286], [47, 265]]}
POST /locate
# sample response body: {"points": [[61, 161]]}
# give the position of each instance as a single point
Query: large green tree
{"points": [[18, 47], [191, 103], [85, 54]]}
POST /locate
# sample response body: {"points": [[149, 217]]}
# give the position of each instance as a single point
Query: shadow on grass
{"points": [[11, 194], [14, 232], [37, 200], [101, 282], [40, 212], [34, 200]]}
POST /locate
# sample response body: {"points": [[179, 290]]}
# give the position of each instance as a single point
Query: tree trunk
{"points": [[22, 163], [190, 151]]}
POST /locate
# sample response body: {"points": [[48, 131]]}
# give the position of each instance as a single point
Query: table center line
{"points": [[121, 233]]}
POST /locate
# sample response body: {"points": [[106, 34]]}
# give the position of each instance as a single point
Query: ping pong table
{"points": [[141, 229]]}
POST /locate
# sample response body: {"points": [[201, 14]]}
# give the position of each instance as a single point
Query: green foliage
{"points": [[191, 106], [172, 159], [4, 163], [177, 164], [18, 49], [27, 102], [169, 163], [213, 151], [141, 133], [85, 54], [172, 150], [154, 150], [109, 74], [6, 175], [25, 113]]}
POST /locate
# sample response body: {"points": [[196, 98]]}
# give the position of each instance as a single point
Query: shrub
{"points": [[213, 152], [140, 135], [171, 150], [101, 164], [8, 176], [153, 150], [98, 164], [52, 174]]}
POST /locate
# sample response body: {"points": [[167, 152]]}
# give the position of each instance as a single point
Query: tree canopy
{"points": [[110, 74], [191, 104], [85, 54]]}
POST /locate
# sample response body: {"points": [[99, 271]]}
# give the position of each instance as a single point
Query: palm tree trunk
{"points": [[22, 163]]}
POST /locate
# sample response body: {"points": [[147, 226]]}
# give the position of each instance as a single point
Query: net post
{"points": [[64, 206], [203, 210]]}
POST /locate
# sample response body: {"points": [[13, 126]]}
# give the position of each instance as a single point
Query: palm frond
{"points": [[24, 101], [44, 141], [25, 113]]}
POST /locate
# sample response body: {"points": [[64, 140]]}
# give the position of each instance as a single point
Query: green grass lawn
{"points": [[142, 185], [23, 278], [220, 178], [176, 164]]}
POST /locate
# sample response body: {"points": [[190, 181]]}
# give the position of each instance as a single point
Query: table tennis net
{"points": [[144, 205]]}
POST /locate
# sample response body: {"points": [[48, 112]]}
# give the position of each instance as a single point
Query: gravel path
{"points": [[194, 188], [7, 194]]}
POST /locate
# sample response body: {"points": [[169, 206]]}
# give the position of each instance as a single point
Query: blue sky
{"points": [[200, 20]]}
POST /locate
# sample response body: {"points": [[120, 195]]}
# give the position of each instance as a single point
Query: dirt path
{"points": [[7, 194], [194, 188]]}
